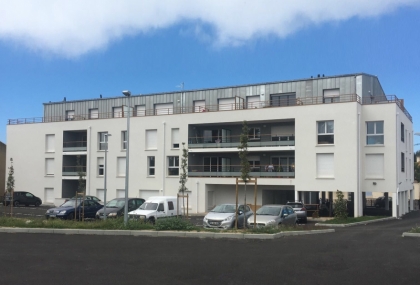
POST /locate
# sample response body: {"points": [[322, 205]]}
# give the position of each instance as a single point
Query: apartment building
{"points": [[318, 135]]}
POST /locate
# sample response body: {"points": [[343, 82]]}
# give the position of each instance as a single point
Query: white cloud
{"points": [[73, 28]]}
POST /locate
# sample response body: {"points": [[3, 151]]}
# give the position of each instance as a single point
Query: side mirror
{"points": [[240, 212], [285, 215]]}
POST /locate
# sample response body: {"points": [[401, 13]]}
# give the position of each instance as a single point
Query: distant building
{"points": [[320, 134]]}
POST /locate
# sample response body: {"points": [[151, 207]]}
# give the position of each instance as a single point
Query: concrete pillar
{"points": [[363, 201], [412, 199], [386, 200], [394, 205], [297, 195]]}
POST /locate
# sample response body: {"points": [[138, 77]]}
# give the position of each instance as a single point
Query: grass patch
{"points": [[353, 220], [174, 224], [415, 230]]}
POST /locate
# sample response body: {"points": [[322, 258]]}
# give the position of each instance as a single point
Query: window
{"points": [[325, 165], [402, 132], [402, 162], [70, 115], [254, 133], [49, 166], [170, 205], [102, 140], [284, 99], [254, 165], [101, 167], [253, 102], [151, 165], [326, 132], [50, 143], [164, 109], [124, 140], [331, 95], [199, 106], [117, 112], [151, 139], [374, 165], [93, 113], [161, 207], [226, 104], [375, 132], [121, 166], [175, 138], [173, 165]]}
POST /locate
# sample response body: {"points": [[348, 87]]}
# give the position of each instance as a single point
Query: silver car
{"points": [[223, 216], [274, 215], [300, 211]]}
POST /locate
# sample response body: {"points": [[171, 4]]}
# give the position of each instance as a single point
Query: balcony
{"points": [[74, 146], [73, 170], [263, 140], [74, 140], [285, 171]]}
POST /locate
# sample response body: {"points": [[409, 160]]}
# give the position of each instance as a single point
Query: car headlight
{"points": [[228, 219], [205, 219], [112, 214], [62, 212]]}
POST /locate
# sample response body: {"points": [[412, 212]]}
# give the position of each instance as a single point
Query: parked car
{"points": [[300, 211], [380, 202], [87, 197], [156, 208], [69, 209], [22, 198], [223, 216], [274, 215], [115, 207]]}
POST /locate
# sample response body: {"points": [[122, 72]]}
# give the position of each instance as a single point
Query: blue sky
{"points": [[51, 49]]}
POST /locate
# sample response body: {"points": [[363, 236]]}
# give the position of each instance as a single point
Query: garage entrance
{"points": [[277, 196]]}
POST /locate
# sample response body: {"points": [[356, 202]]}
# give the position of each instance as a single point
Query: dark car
{"points": [[69, 209], [87, 197], [380, 202], [22, 198], [115, 208]]}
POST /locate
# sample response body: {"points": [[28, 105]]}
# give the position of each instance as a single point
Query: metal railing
{"points": [[234, 141], [285, 171], [75, 145], [73, 170], [216, 108]]}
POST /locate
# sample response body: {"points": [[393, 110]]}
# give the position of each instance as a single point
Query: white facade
{"points": [[309, 163]]}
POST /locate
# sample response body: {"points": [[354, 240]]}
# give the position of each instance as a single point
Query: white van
{"points": [[156, 207]]}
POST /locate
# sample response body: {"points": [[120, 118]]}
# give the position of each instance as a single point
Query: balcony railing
{"points": [[73, 170], [384, 99], [211, 108], [234, 141], [75, 146], [235, 171]]}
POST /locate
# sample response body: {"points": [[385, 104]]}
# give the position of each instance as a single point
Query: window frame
{"points": [[402, 132], [102, 143], [101, 167], [173, 165], [151, 167], [402, 162], [325, 134], [375, 133], [123, 140], [256, 134]]}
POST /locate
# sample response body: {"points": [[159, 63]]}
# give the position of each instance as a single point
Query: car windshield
{"points": [[115, 204], [71, 203], [270, 211], [224, 209], [295, 205], [149, 206]]}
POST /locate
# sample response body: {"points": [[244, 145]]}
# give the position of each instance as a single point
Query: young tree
{"points": [[417, 167], [183, 177], [243, 153], [82, 181], [10, 186], [340, 206]]}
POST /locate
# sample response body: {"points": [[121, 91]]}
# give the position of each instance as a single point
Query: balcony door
{"points": [[216, 164], [283, 164]]}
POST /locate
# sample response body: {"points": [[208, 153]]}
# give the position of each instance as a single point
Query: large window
{"points": [[175, 138], [375, 132], [173, 165], [254, 133], [283, 99], [102, 140], [331, 95], [402, 162], [124, 140], [326, 132], [402, 132], [151, 166]]}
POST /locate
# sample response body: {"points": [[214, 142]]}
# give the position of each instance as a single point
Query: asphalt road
{"points": [[371, 254]]}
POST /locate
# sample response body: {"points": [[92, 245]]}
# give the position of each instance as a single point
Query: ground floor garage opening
{"points": [[69, 188], [277, 196]]}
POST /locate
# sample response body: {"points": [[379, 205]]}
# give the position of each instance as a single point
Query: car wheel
{"points": [[16, 203], [151, 220], [305, 221], [70, 216], [37, 204]]}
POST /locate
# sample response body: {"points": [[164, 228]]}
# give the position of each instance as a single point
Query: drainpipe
{"points": [[164, 159]]}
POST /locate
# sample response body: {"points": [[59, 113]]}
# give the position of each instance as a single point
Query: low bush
{"points": [[174, 224]]}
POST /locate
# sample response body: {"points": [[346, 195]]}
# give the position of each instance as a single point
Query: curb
{"points": [[416, 235], [163, 233], [355, 224]]}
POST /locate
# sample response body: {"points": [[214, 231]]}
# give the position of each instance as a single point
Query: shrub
{"points": [[174, 224], [340, 206]]}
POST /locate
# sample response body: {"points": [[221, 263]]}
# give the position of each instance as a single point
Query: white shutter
{"points": [[49, 166], [70, 115], [117, 112], [331, 92], [121, 166], [227, 104], [140, 111], [253, 102], [145, 194], [199, 106], [120, 193], [374, 165], [50, 143], [49, 195], [175, 138], [325, 165], [151, 139], [93, 113], [100, 194], [164, 109]]}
